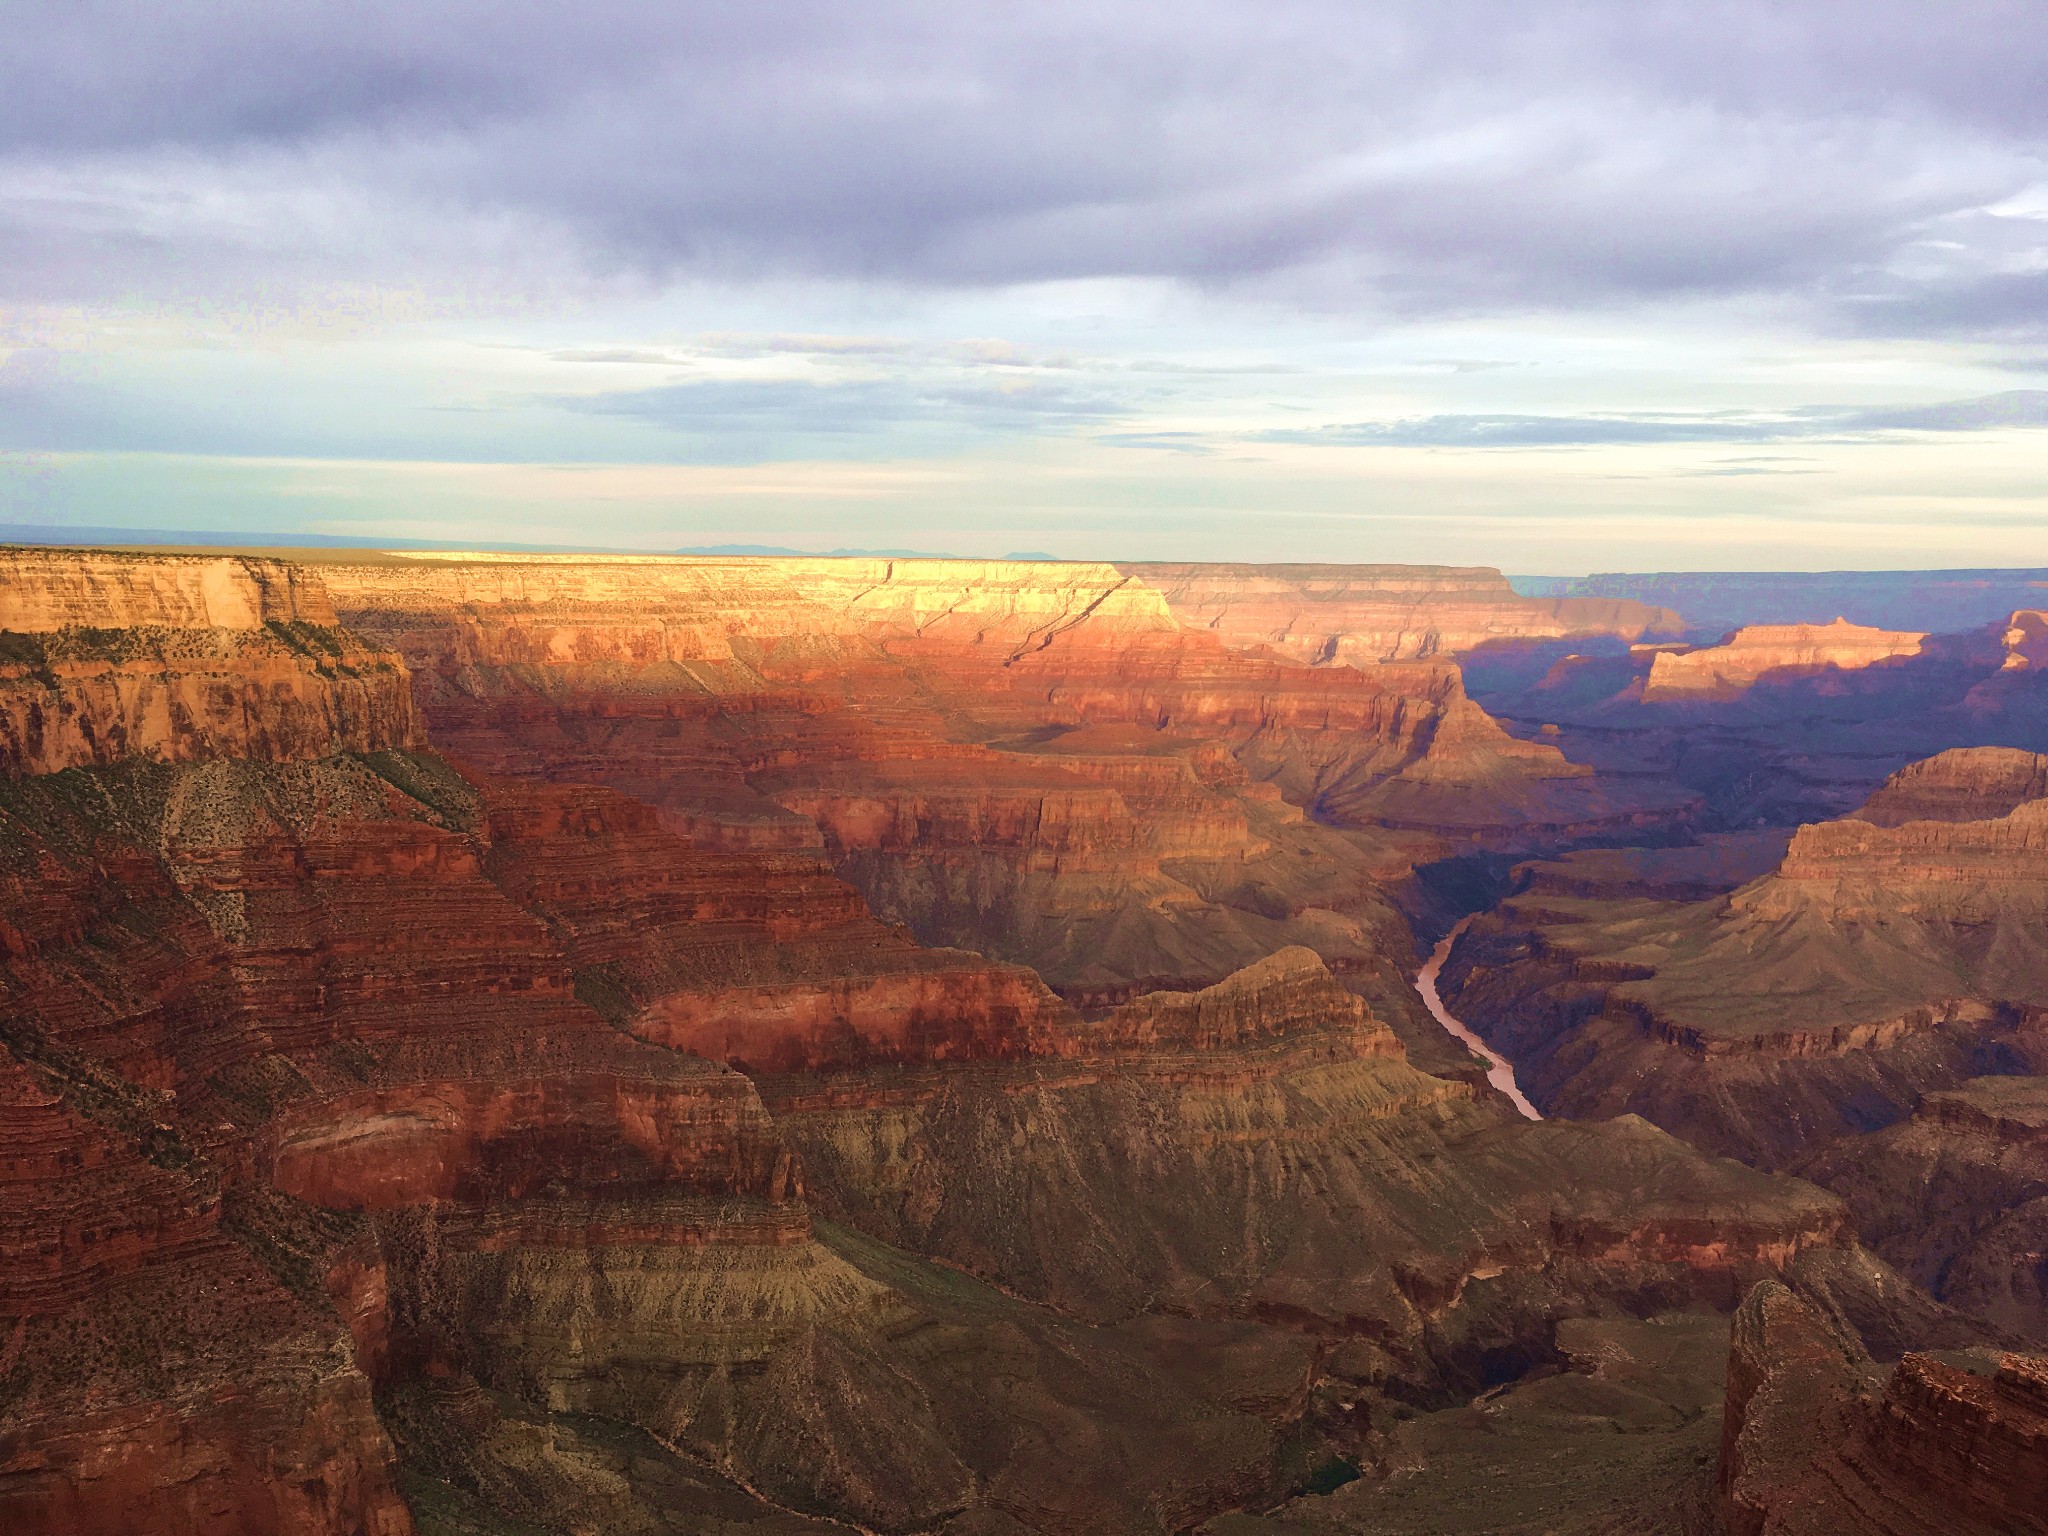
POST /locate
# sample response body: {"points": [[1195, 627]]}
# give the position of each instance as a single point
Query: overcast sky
{"points": [[1556, 287]]}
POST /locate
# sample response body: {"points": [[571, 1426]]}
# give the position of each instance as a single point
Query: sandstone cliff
{"points": [[105, 656], [1778, 652]]}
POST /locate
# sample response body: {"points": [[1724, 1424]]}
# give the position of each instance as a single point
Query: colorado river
{"points": [[1502, 1071]]}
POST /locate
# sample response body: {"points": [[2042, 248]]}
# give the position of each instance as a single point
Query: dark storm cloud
{"points": [[1459, 154], [2012, 408]]}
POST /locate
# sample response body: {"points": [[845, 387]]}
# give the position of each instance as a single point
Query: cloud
{"points": [[635, 355], [1866, 158], [1988, 413], [754, 420], [2012, 408]]}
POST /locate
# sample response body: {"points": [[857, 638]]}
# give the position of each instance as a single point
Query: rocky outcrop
{"points": [[1365, 615], [1816, 1440], [104, 657], [349, 1032], [1778, 652], [48, 591], [1964, 784], [154, 1377]]}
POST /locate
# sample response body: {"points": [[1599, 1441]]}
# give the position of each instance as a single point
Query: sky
{"points": [[1569, 287]]}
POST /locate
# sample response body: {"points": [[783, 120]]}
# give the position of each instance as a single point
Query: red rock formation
{"points": [[1000, 756], [1777, 652], [103, 657], [1965, 784], [153, 1376], [398, 1073]]}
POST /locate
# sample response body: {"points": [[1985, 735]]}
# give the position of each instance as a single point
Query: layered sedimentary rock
{"points": [[1883, 957], [1040, 762], [1817, 1440], [1262, 1150], [1981, 784], [154, 1377], [416, 1161], [1799, 731], [389, 1136], [108, 656], [1778, 652], [45, 591], [1364, 615]]}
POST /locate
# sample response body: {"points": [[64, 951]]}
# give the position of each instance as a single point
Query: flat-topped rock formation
{"points": [[1365, 615], [43, 591], [106, 656], [1779, 652]]}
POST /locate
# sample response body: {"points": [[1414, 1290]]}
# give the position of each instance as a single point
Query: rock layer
{"points": [[1779, 652], [1364, 615], [104, 657]]}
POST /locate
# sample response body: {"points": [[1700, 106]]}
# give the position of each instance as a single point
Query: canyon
{"points": [[500, 1043]]}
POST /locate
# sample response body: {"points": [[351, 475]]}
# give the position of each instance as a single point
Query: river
{"points": [[1500, 1071]]}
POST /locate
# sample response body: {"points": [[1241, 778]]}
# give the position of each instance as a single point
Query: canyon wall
{"points": [[1041, 762], [106, 656], [1364, 615], [1775, 651]]}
